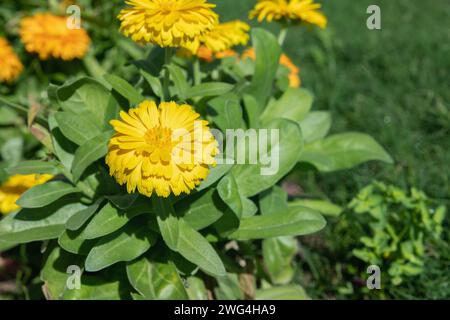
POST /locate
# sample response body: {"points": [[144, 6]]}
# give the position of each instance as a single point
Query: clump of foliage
{"points": [[395, 227], [401, 232]]}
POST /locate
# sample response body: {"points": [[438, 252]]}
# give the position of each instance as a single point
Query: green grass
{"points": [[391, 83]]}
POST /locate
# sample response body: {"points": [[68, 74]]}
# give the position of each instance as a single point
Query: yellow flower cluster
{"points": [[224, 36], [168, 23], [294, 71], [10, 65], [12, 189], [164, 149], [50, 37], [187, 24], [301, 10]]}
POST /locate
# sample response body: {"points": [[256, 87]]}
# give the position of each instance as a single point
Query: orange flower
{"points": [[48, 36], [10, 65], [205, 54], [226, 54], [294, 78]]}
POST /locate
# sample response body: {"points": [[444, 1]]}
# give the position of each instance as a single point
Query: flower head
{"points": [[10, 65], [224, 36], [168, 23], [49, 36], [302, 10], [164, 149], [12, 189], [294, 71]]}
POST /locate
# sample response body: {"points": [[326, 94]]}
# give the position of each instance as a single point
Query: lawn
{"points": [[391, 83]]}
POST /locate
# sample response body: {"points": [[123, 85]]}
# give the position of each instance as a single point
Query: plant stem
{"points": [[93, 66], [197, 72], [282, 35], [23, 110], [166, 80]]}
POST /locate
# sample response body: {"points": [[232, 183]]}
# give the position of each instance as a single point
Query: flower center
{"points": [[159, 137], [167, 6]]}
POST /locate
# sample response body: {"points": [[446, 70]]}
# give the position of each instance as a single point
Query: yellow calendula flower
{"points": [[163, 149], [294, 71], [168, 23], [50, 37], [10, 65], [225, 36], [12, 189], [303, 10]]}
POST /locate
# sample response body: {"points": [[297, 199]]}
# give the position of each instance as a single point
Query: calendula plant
{"points": [[154, 195]]}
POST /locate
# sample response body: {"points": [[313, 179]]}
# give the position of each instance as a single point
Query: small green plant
{"points": [[395, 228]]}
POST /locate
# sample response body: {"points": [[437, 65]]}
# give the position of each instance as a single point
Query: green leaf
{"points": [[110, 219], [78, 219], [266, 65], [195, 248], [279, 157], [294, 105], [196, 289], [153, 82], [228, 191], [215, 173], [343, 151], [291, 222], [6, 245], [34, 167], [249, 208], [124, 245], [44, 194], [180, 237], [7, 115], [54, 272], [229, 288], [78, 128], [123, 201], [291, 292], [226, 112], [48, 222], [324, 207], [89, 152], [124, 88], [156, 280], [273, 200], [201, 210], [11, 150], [179, 80], [63, 147], [89, 97], [227, 224], [97, 288], [58, 272], [315, 125], [278, 254], [209, 89], [253, 110], [71, 242]]}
